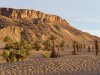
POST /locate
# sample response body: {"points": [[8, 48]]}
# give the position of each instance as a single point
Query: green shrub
{"points": [[7, 39], [9, 56], [62, 45], [46, 55], [8, 46], [17, 51], [15, 55], [12, 57], [6, 53], [47, 45], [37, 45], [24, 44], [22, 54], [54, 54], [16, 46]]}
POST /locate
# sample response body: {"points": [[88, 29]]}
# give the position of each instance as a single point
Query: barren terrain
{"points": [[84, 63], [31, 25]]}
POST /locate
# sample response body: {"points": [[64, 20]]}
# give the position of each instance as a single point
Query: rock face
{"points": [[32, 25], [23, 13]]}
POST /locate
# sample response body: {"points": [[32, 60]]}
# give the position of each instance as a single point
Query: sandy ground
{"points": [[84, 63]]}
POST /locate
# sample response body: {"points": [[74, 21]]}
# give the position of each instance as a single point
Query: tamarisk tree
{"points": [[96, 47]]}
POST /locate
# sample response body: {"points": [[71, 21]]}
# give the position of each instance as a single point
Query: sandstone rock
{"points": [[23, 13]]}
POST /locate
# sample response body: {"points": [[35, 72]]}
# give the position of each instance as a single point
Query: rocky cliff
{"points": [[32, 25], [23, 13]]}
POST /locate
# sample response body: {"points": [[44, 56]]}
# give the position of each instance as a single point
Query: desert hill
{"points": [[32, 25]]}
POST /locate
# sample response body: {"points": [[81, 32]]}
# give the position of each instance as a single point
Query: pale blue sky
{"points": [[82, 14]]}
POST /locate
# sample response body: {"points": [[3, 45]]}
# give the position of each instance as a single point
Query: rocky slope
{"points": [[30, 24]]}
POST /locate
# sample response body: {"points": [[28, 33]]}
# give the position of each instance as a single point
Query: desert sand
{"points": [[84, 63]]}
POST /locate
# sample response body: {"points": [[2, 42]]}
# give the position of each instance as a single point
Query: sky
{"points": [[81, 14]]}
